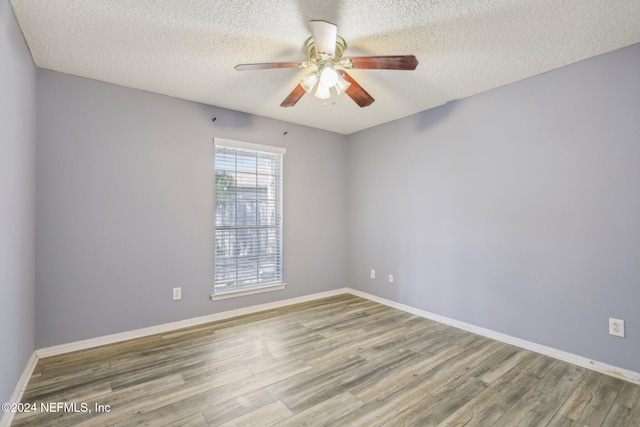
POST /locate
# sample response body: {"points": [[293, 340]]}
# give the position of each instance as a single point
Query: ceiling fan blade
{"points": [[392, 62], [356, 92], [270, 65], [324, 36], [293, 97]]}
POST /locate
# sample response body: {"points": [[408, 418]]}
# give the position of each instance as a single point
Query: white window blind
{"points": [[248, 215]]}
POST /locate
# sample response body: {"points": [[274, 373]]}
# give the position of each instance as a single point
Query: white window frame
{"points": [[262, 287]]}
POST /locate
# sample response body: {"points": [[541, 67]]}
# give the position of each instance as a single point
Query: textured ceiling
{"points": [[187, 49]]}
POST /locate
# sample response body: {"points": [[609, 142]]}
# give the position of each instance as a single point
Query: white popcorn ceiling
{"points": [[188, 49]]}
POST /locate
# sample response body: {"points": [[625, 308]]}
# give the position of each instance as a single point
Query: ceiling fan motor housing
{"points": [[318, 57]]}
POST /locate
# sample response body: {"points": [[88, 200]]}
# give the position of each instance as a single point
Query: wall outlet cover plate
{"points": [[616, 327]]}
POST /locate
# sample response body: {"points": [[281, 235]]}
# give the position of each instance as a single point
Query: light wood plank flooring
{"points": [[340, 361]]}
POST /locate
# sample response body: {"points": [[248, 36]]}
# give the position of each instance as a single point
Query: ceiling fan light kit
{"points": [[326, 78], [325, 49]]}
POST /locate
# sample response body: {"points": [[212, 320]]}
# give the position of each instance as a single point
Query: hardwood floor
{"points": [[340, 361]]}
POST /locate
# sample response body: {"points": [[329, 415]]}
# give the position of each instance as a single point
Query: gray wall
{"points": [[517, 210], [17, 196], [125, 207]]}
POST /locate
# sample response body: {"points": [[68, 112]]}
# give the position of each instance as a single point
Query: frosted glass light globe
{"points": [[328, 77]]}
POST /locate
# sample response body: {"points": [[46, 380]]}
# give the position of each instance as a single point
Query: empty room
{"points": [[345, 213]]}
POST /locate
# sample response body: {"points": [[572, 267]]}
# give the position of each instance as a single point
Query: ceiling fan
{"points": [[325, 49]]}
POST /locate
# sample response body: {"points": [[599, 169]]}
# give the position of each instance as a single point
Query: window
{"points": [[248, 218]]}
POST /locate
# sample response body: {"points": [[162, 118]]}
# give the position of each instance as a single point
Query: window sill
{"points": [[253, 290]]}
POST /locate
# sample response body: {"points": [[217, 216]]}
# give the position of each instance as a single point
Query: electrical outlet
{"points": [[616, 327], [373, 273], [177, 293], [391, 278]]}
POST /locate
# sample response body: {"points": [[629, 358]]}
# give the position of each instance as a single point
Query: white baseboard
{"points": [[603, 368], [16, 397], [167, 327]]}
